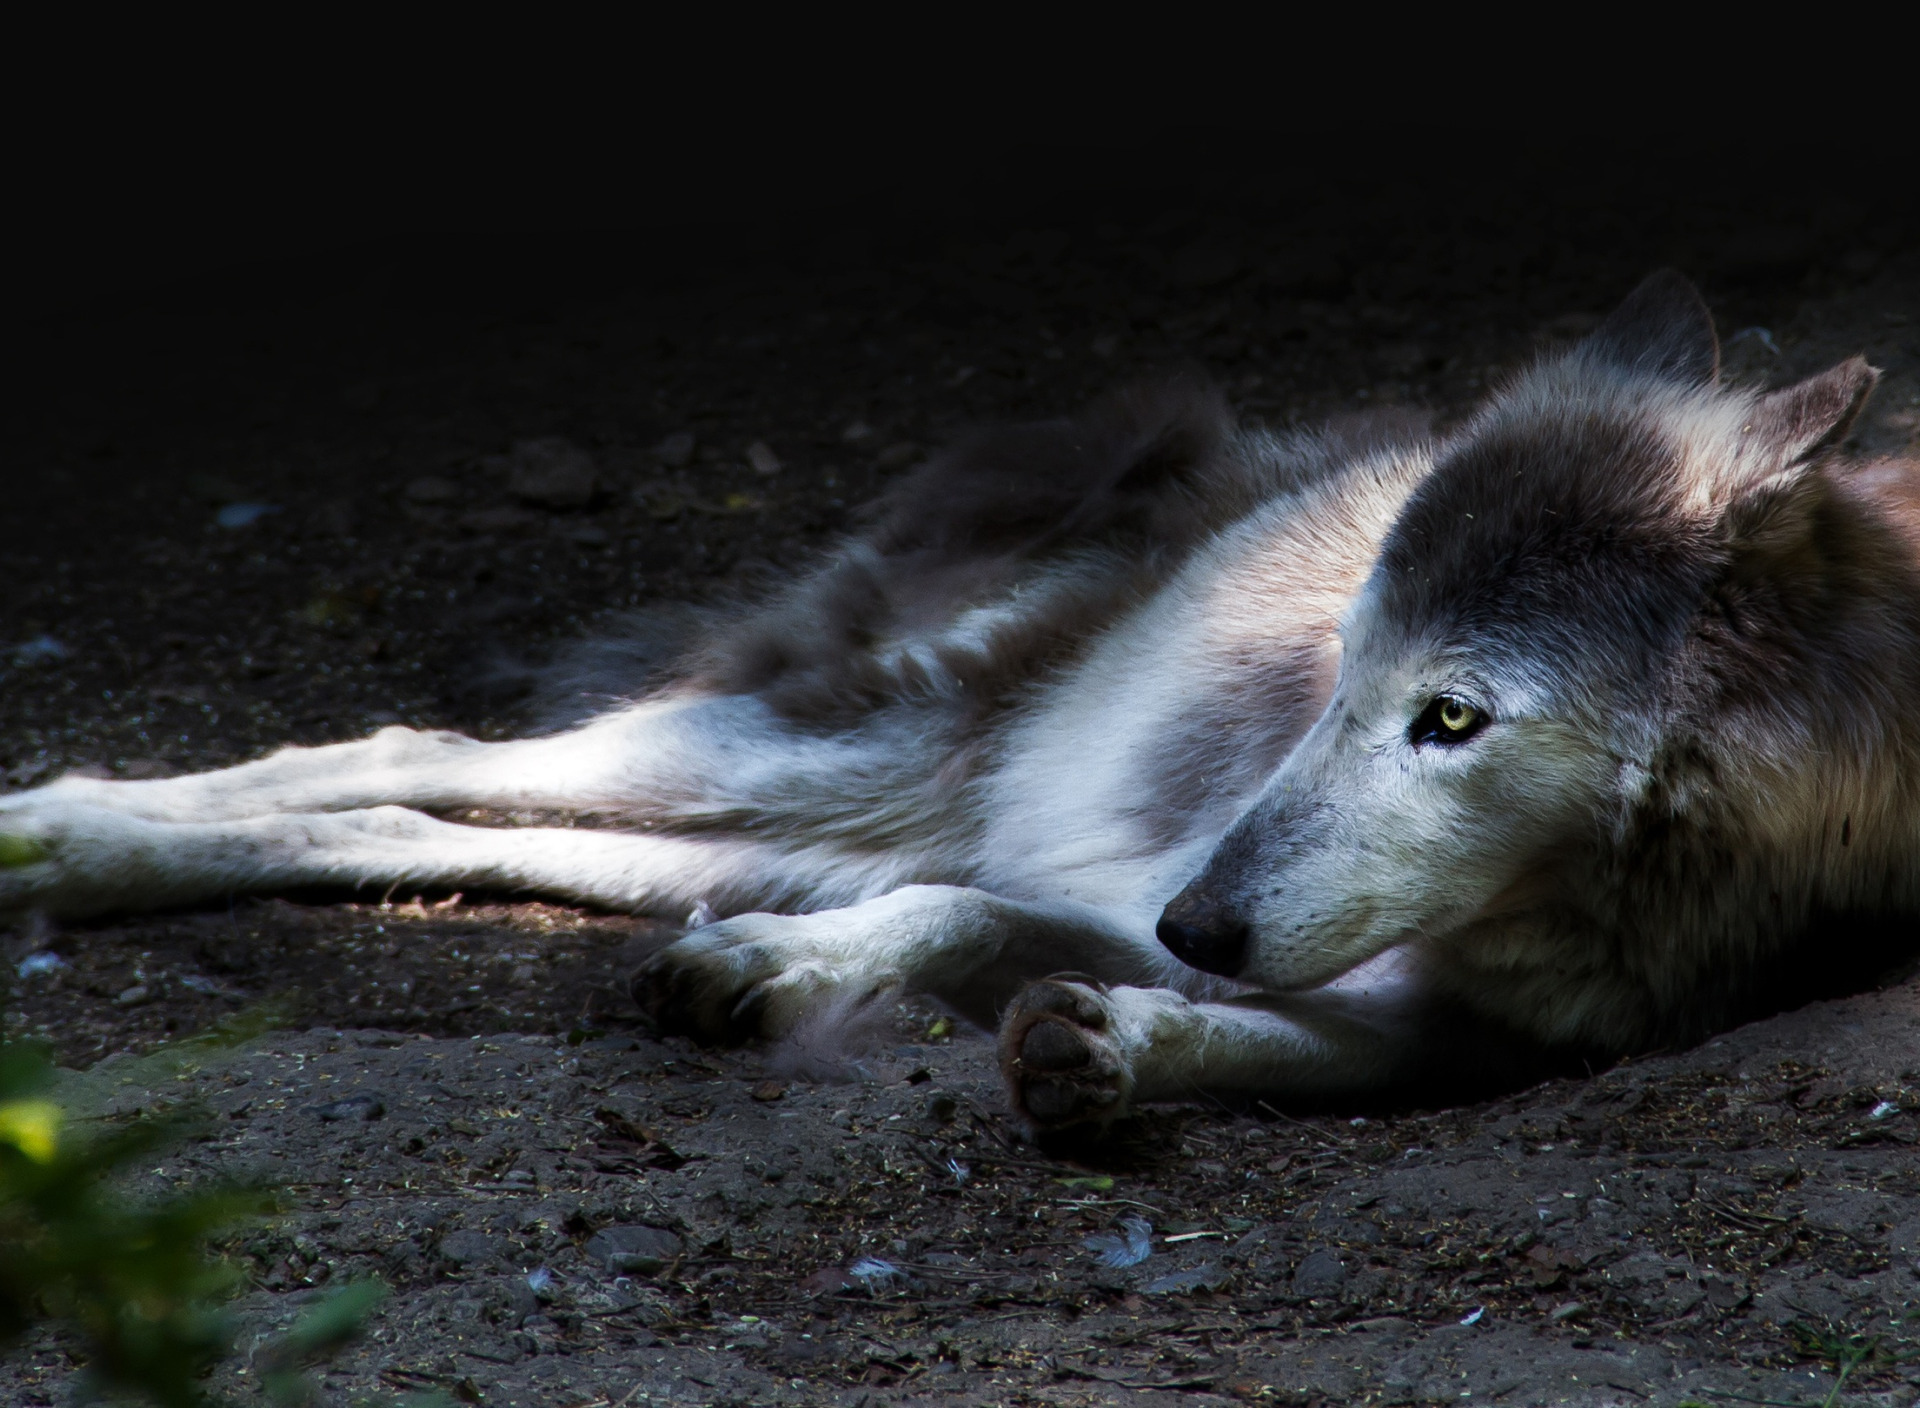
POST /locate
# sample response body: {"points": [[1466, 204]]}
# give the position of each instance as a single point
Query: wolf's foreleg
{"points": [[72, 861], [1074, 1053], [758, 973]]}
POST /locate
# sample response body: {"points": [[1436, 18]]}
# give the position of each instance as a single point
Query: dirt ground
{"points": [[293, 508]]}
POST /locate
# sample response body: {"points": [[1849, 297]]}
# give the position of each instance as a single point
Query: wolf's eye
{"points": [[1446, 719]]}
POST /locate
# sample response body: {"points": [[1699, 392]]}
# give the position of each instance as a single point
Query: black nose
{"points": [[1203, 936]]}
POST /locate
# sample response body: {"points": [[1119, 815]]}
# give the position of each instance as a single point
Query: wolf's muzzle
{"points": [[1203, 935]]}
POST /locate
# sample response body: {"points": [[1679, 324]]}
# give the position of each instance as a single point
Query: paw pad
{"points": [[1065, 996], [1062, 1063], [1054, 1046]]}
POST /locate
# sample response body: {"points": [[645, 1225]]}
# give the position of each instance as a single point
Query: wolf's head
{"points": [[1586, 562]]}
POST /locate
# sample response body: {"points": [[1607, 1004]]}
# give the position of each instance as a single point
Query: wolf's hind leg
{"points": [[73, 861], [664, 747], [757, 974], [1074, 1053]]}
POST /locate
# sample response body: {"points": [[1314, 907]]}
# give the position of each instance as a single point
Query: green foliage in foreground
{"points": [[131, 1279]]}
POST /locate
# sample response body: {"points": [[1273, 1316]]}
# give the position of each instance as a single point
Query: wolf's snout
{"points": [[1203, 934]]}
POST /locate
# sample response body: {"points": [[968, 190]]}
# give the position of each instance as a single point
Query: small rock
{"points": [[41, 650], [636, 1248], [522, 1300], [243, 515], [1722, 1293], [36, 964], [1206, 1275], [761, 456], [134, 996], [552, 472], [207, 987], [826, 1281], [431, 489], [769, 1090], [364, 1106], [469, 1248], [676, 450], [1319, 1275]]}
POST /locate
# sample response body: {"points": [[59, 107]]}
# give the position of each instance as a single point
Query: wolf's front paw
{"points": [[754, 975], [1062, 1058]]}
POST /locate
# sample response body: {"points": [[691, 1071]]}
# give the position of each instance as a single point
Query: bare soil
{"points": [[463, 1101]]}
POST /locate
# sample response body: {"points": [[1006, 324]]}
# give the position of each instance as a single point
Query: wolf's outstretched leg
{"points": [[757, 973], [1077, 1053], [651, 752], [74, 860]]}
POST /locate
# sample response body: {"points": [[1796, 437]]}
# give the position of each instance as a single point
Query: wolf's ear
{"points": [[1799, 421], [1769, 510], [1663, 330]]}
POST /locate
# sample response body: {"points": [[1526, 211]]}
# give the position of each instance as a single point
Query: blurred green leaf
{"points": [[20, 850], [132, 1279]]}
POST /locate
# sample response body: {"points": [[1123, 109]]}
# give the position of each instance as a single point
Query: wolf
{"points": [[1314, 766]]}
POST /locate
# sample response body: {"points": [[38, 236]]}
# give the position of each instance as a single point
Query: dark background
{"points": [[314, 315], [353, 325]]}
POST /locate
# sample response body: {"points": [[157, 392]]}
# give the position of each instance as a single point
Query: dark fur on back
{"points": [[1076, 519]]}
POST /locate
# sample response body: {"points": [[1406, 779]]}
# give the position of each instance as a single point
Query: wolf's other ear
{"points": [[1770, 511], [1799, 421], [1663, 329]]}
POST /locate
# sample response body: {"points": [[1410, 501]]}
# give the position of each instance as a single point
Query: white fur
{"points": [[1249, 716]]}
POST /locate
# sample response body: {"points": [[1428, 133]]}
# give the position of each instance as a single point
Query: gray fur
{"points": [[1081, 678]]}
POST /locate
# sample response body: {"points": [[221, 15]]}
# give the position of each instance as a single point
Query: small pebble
{"points": [[40, 650], [1206, 1275], [552, 473], [761, 456], [243, 515], [634, 1248], [470, 1247], [353, 1107]]}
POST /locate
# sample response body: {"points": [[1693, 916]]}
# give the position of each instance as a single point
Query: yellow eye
{"points": [[1447, 719]]}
